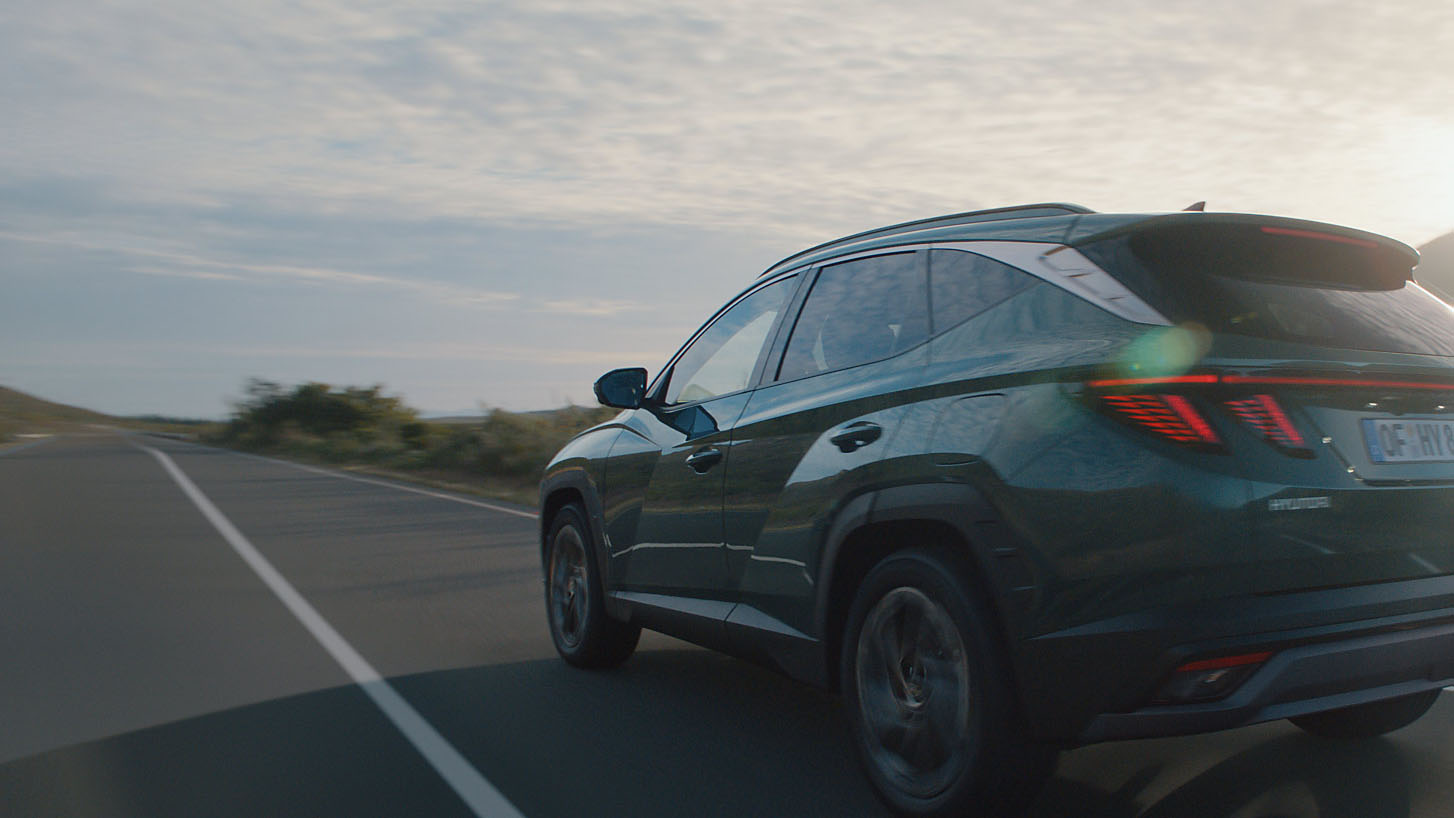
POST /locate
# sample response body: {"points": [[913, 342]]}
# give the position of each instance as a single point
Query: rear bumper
{"points": [[1331, 648], [1301, 680]]}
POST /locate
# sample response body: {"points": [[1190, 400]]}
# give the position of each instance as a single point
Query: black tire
{"points": [[1368, 720], [584, 634], [928, 694]]}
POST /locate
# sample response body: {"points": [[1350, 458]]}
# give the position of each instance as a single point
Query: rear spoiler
{"points": [[1261, 247]]}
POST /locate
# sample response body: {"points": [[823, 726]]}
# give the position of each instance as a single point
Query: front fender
{"points": [[578, 472]]}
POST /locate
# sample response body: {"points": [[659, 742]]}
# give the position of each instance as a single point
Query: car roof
{"points": [[1057, 223]]}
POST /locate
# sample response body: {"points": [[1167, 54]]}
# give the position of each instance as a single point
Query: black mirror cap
{"points": [[622, 388]]}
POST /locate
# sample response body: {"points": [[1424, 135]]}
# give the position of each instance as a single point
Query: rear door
{"points": [[812, 435]]}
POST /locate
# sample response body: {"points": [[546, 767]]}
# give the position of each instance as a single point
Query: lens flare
{"points": [[1166, 351]]}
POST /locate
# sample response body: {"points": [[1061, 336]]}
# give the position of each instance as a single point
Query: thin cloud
{"points": [[252, 271], [200, 275], [764, 115], [595, 308]]}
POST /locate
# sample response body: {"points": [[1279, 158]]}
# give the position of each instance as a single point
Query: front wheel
{"points": [[928, 694], [584, 634], [1368, 720]]}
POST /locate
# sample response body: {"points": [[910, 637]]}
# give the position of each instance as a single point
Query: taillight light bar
{"points": [[1356, 383], [1175, 380], [1267, 380]]}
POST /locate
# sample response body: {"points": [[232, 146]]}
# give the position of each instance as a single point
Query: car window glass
{"points": [[859, 311], [963, 284], [1036, 327], [722, 358]]}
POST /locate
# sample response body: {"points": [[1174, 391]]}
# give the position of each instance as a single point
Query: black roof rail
{"points": [[1027, 211]]}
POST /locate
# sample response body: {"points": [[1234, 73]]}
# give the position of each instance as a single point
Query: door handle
{"points": [[856, 436], [705, 459]]}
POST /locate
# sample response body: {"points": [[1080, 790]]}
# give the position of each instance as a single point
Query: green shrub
{"points": [[364, 426]]}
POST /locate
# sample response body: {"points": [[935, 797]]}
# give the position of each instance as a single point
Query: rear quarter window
{"points": [[963, 284], [1039, 326]]}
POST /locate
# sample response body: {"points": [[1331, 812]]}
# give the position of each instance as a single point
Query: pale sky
{"points": [[495, 202]]}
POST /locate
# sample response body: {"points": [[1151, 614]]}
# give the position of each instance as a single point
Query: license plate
{"points": [[1409, 440]]}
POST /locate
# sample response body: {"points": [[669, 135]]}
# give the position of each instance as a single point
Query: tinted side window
{"points": [[722, 358], [1041, 326], [859, 311], [964, 284]]}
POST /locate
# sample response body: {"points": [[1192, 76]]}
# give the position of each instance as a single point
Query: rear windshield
{"points": [[1282, 286]]}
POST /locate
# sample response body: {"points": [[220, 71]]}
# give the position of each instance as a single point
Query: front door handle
{"points": [[856, 436], [705, 459]]}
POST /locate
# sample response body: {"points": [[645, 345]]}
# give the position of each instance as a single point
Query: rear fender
{"points": [[1000, 565]]}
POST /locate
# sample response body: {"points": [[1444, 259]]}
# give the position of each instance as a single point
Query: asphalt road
{"points": [[149, 670]]}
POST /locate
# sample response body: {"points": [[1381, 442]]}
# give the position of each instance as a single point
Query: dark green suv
{"points": [[1023, 479]]}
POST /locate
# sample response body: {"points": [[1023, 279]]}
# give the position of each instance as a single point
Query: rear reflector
{"points": [[1226, 661], [1209, 679], [1170, 416], [1263, 413]]}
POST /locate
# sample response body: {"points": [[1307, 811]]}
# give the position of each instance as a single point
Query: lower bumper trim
{"points": [[1306, 679]]}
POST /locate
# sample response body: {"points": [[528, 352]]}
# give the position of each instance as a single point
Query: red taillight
{"points": [[1263, 413], [1175, 418], [1170, 416]]}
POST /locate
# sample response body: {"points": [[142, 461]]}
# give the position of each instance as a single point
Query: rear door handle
{"points": [[856, 436], [705, 459]]}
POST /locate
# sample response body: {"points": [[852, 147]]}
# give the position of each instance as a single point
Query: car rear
{"points": [[1327, 376]]}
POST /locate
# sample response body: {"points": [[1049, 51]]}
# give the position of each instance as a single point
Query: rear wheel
{"points": [[584, 634], [928, 695], [1368, 720]]}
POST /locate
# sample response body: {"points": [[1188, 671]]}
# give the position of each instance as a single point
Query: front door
{"points": [[680, 443]]}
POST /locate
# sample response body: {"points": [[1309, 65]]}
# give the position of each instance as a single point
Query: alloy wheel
{"points": [[914, 691]]}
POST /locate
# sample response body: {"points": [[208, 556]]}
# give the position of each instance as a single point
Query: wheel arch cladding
{"points": [[894, 527]]}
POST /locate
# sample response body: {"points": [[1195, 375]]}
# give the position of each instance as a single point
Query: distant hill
{"points": [[26, 414], [18, 406], [1436, 266]]}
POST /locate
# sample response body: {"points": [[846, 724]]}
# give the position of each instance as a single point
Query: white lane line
{"points": [[22, 447], [480, 795], [386, 484]]}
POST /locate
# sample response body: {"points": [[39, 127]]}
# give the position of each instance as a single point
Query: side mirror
{"points": [[622, 388]]}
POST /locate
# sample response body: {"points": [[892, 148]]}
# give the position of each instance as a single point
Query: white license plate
{"points": [[1409, 440]]}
